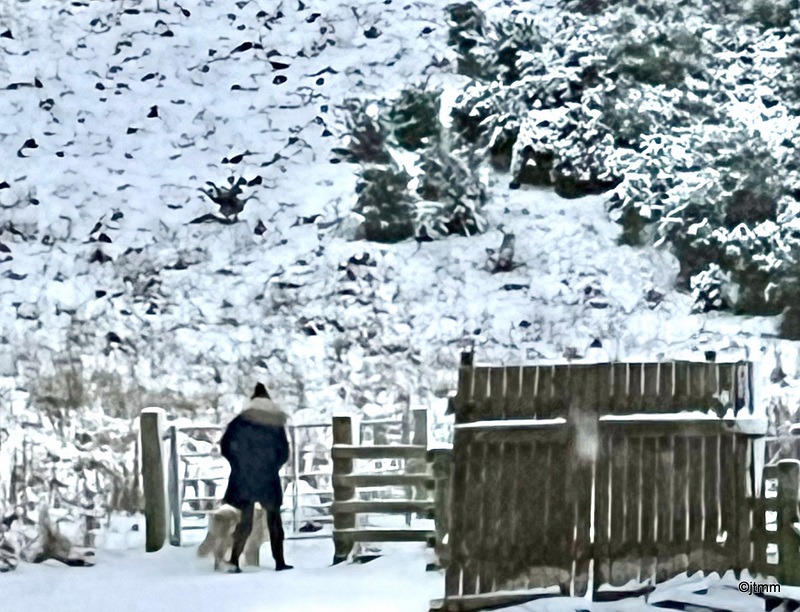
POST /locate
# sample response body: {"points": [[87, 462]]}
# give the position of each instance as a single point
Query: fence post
{"points": [[175, 509], [419, 437], [295, 478], [343, 544], [440, 460], [788, 540], [155, 503]]}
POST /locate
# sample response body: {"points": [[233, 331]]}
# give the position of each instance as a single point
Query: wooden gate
{"points": [[580, 476]]}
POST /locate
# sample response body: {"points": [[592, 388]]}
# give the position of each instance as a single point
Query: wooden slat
{"points": [[386, 451], [727, 485], [555, 432], [602, 561], [657, 428], [531, 382], [619, 497], [387, 535], [743, 381], [458, 510], [462, 402], [649, 509], [494, 517], [514, 405], [666, 398], [681, 510], [481, 407], [471, 535], [681, 399], [382, 505], [558, 534], [697, 390], [726, 383], [532, 518], [696, 483], [382, 480], [635, 398], [509, 485], [583, 415], [497, 380], [664, 502], [742, 539], [545, 392], [620, 394], [713, 557], [650, 399]]}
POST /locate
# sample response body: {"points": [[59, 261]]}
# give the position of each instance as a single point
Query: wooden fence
{"points": [[584, 477], [415, 477]]}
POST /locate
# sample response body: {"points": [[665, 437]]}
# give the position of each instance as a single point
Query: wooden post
{"points": [[155, 503], [342, 434], [295, 478], [788, 541], [440, 460], [419, 437], [175, 502]]}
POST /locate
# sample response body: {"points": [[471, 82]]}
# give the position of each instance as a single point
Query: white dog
{"points": [[219, 540]]}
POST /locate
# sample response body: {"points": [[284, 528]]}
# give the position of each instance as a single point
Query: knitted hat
{"points": [[261, 391]]}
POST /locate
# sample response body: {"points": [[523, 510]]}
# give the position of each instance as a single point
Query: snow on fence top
{"points": [[548, 391]]}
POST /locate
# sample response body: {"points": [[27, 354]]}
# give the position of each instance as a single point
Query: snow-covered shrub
{"points": [[448, 182], [384, 201], [708, 289], [414, 118], [770, 13], [681, 112], [365, 136]]}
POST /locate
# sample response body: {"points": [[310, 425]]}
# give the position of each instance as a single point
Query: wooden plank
{"points": [[470, 543], [463, 400], [342, 435], [666, 389], [531, 382], [695, 484], [555, 432], [649, 509], [635, 397], [651, 373], [481, 407], [546, 392], [602, 517], [531, 518], [727, 386], [728, 509], [681, 506], [743, 398], [497, 382], [658, 428], [558, 534], [386, 535], [493, 516], [383, 451], [620, 394], [583, 454], [382, 480], [697, 390], [514, 404], [394, 506], [683, 379], [509, 484], [742, 535], [618, 543], [714, 559], [458, 510], [665, 494]]}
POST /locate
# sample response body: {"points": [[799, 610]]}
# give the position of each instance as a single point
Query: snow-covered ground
{"points": [[126, 579]]}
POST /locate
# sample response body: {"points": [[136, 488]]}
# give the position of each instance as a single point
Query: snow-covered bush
{"points": [[414, 118], [452, 195], [384, 201], [683, 113]]}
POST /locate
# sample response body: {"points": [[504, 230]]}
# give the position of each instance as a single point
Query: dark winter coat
{"points": [[256, 446]]}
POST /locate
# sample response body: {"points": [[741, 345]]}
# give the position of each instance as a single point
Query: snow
{"points": [[176, 579]]}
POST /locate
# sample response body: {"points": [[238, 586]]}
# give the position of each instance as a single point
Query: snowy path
{"points": [[174, 579]]}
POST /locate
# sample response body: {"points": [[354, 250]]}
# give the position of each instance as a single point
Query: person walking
{"points": [[256, 446]]}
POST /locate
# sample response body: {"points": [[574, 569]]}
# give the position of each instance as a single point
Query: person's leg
{"points": [[275, 526], [241, 533]]}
